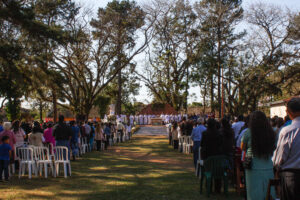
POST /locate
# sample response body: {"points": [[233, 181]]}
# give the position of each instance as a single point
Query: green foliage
{"points": [[196, 104], [13, 109], [102, 102]]}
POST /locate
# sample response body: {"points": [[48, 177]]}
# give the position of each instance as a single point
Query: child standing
{"points": [[5, 153]]}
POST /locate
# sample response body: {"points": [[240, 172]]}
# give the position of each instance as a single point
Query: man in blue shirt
{"points": [[1, 127], [107, 133], [197, 137], [5, 151]]}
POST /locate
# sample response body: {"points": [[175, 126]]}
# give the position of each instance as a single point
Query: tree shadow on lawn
{"points": [[118, 175]]}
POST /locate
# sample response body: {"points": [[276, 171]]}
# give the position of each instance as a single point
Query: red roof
{"points": [[158, 109]]}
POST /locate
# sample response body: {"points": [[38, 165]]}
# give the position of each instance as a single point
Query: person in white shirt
{"points": [[141, 118], [237, 126], [286, 158], [131, 118], [145, 120], [128, 130]]}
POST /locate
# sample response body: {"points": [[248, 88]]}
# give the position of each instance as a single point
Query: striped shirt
{"points": [[287, 153]]}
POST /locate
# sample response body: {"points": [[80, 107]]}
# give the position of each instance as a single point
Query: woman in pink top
{"points": [[49, 138], [10, 134]]}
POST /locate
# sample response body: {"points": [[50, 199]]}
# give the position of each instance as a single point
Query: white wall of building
{"points": [[279, 111]]}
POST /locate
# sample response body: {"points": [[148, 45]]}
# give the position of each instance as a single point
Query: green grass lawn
{"points": [[144, 168]]}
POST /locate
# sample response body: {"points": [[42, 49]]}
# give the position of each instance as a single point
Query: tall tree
{"points": [[218, 20], [172, 53], [124, 18], [89, 63]]}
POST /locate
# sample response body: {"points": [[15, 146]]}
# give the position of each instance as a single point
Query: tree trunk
{"points": [[119, 97], [186, 90], [41, 110], [204, 98], [54, 102], [219, 75], [212, 94]]}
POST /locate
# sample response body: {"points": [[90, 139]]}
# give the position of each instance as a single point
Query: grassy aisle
{"points": [[144, 168]]}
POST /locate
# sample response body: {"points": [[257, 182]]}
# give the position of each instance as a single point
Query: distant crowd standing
{"points": [[267, 148], [69, 134], [146, 119]]}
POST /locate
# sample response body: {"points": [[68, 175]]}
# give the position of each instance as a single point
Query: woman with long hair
{"points": [[211, 143], [227, 134], [19, 133], [259, 143], [36, 137], [48, 135]]}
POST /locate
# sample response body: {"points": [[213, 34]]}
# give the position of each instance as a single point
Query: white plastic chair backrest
{"points": [[181, 139], [61, 153], [186, 139], [49, 146], [190, 140], [84, 140], [25, 154], [41, 153]]}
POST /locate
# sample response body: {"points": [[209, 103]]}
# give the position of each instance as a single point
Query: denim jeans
{"points": [[195, 151], [4, 167]]}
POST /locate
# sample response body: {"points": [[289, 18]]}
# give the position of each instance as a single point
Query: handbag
{"points": [[247, 162]]}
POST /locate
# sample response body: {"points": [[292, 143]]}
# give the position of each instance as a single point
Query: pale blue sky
{"points": [[293, 5]]}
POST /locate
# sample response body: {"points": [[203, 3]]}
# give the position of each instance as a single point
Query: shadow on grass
{"points": [[118, 174]]}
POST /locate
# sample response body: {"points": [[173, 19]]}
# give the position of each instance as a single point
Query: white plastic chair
{"points": [[62, 157], [84, 146], [199, 165], [110, 141], [189, 145], [185, 142], [26, 158], [180, 143], [43, 159], [102, 145]]}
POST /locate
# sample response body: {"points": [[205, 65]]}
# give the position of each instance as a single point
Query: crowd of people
{"points": [[69, 134], [266, 148]]}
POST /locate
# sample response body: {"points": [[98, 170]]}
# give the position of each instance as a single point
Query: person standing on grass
{"points": [[1, 127], [175, 135], [5, 154], [287, 154], [74, 139], [48, 135], [98, 136], [196, 137], [62, 133], [107, 133], [237, 126], [12, 138], [128, 130], [19, 133], [36, 137], [259, 143]]}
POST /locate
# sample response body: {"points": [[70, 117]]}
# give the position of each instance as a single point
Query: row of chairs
{"points": [[38, 158]]}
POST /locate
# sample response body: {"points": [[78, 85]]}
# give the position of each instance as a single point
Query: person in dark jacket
{"points": [[211, 144], [227, 134], [62, 133]]}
